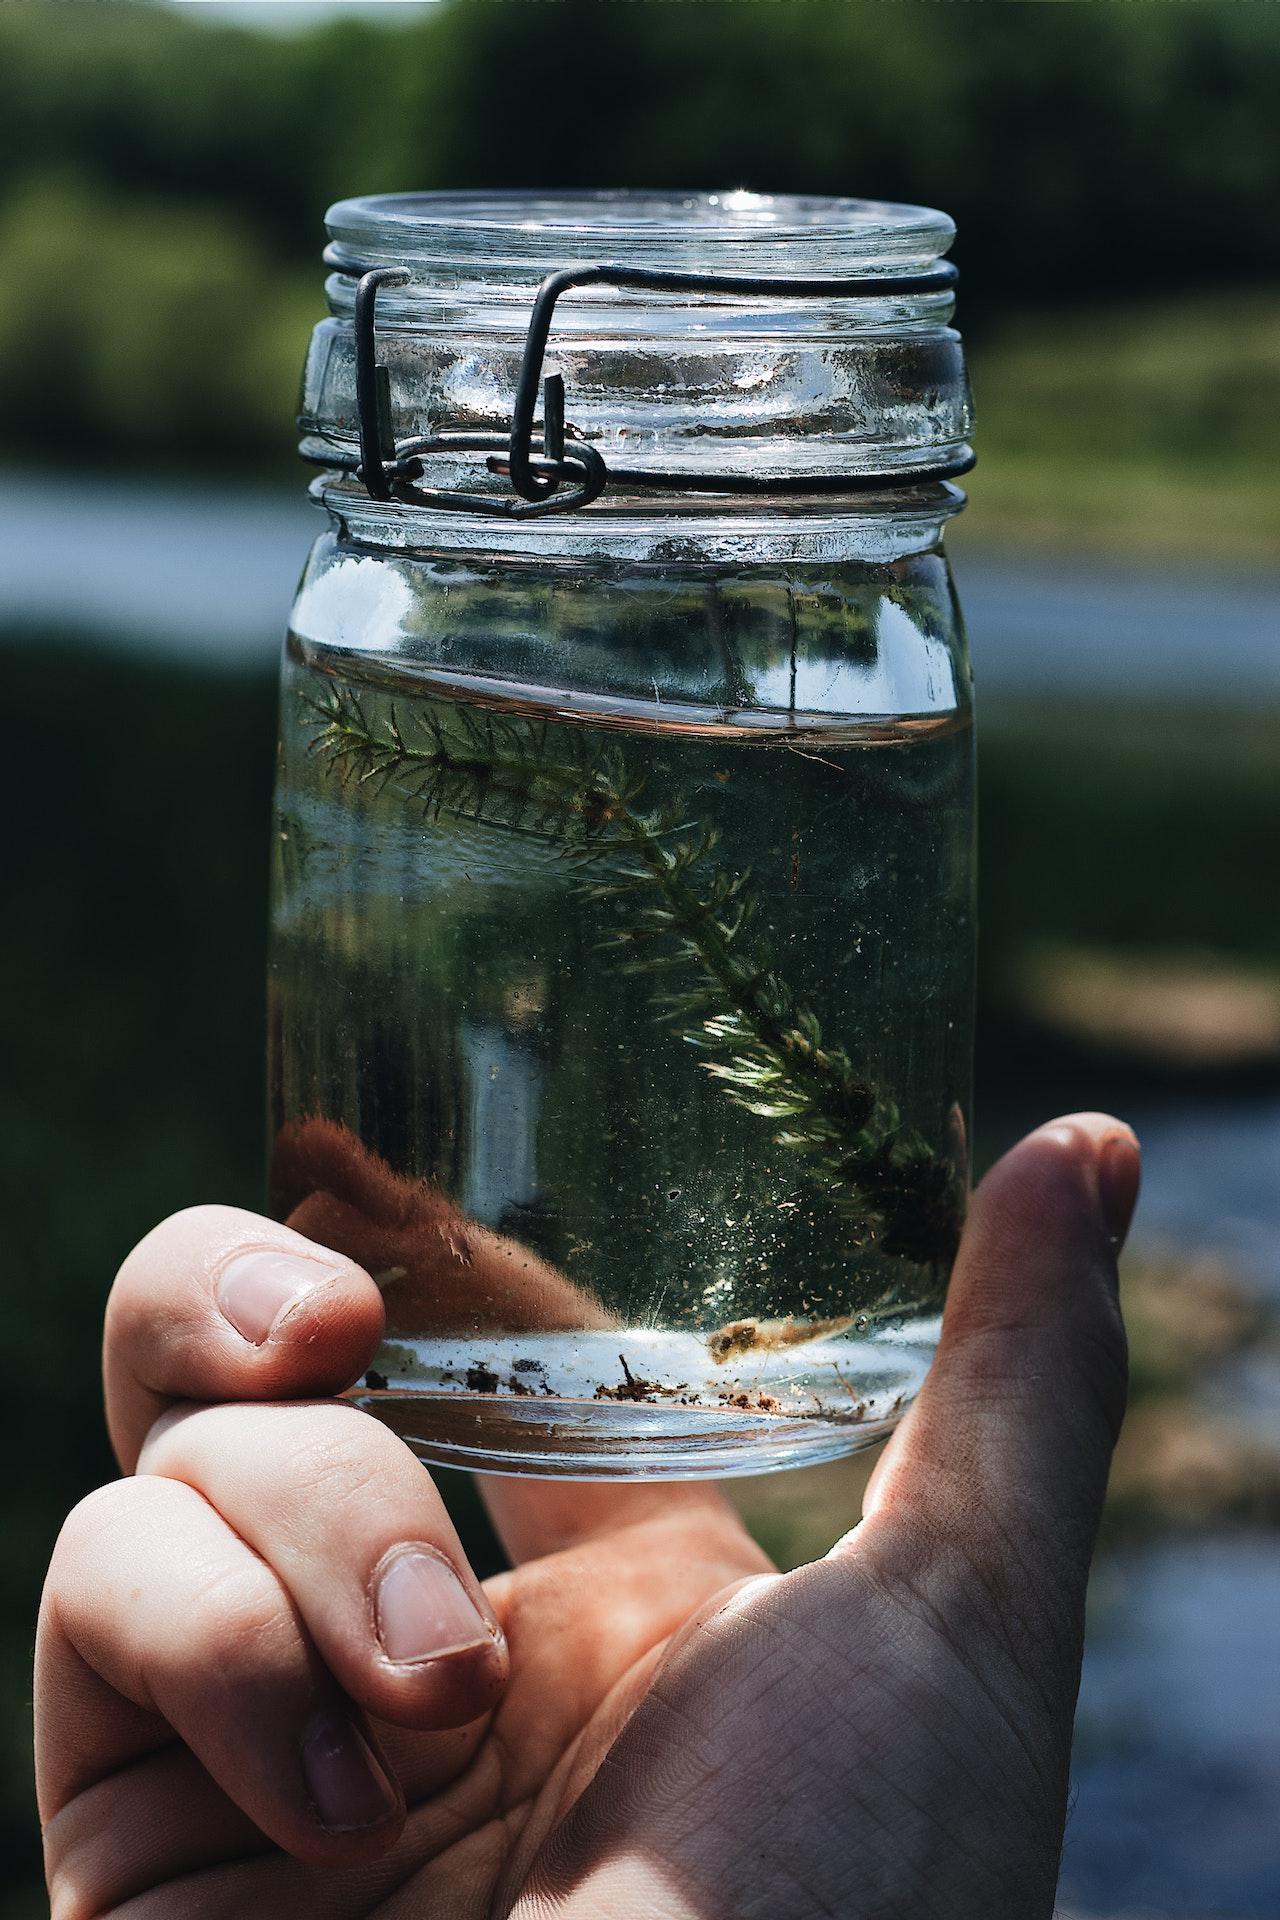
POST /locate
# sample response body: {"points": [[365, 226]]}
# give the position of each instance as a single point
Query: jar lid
{"points": [[721, 342]]}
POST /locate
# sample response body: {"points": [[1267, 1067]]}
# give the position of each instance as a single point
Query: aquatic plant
{"points": [[675, 913]]}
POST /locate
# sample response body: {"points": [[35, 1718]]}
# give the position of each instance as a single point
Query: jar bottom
{"points": [[522, 1404], [570, 1440]]}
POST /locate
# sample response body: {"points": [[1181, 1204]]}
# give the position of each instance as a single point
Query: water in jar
{"points": [[629, 1051]]}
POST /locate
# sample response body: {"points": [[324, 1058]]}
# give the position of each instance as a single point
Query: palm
{"points": [[862, 1698], [859, 1693], [586, 1626]]}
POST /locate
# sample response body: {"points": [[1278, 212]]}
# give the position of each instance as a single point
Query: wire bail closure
{"points": [[565, 471]]}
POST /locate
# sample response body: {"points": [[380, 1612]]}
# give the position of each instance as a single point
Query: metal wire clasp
{"points": [[538, 477], [391, 472]]}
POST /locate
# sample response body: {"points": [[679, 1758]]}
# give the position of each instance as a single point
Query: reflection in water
{"points": [[440, 1272], [505, 1083]]}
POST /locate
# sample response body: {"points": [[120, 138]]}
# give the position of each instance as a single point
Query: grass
{"points": [[1150, 431], [1139, 826]]}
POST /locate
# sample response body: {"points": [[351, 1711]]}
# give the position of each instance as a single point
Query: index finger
{"points": [[220, 1304]]}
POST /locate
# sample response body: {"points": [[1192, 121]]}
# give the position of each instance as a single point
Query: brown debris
{"points": [[753, 1403], [633, 1387]]}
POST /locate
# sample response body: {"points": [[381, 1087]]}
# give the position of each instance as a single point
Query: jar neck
{"points": [[681, 529]]}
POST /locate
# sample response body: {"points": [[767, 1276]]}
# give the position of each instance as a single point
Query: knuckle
{"points": [[85, 1563], [339, 1455], [303, 1451], [104, 1510], [236, 1602], [162, 1453], [238, 1631], [67, 1899]]}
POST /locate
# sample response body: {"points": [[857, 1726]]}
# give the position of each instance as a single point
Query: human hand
{"points": [[641, 1721]]}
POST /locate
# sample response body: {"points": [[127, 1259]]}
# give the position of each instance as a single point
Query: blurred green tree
{"points": [[1083, 151], [165, 177], [142, 326]]}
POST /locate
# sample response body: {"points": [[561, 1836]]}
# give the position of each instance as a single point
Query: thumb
{"points": [[1011, 1437]]}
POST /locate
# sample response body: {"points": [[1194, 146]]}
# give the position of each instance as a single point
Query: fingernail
{"points": [[255, 1290], [423, 1611], [1119, 1171], [348, 1787]]}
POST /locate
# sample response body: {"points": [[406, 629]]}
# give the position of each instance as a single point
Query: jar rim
{"points": [[791, 233]]}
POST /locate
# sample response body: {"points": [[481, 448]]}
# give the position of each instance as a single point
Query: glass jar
{"points": [[622, 962]]}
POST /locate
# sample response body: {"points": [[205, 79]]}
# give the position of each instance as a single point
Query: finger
{"points": [[156, 1612], [141, 1827], [1007, 1449], [356, 1533], [218, 1304]]}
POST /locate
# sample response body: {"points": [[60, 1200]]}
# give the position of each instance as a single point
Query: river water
{"points": [[214, 569], [1176, 1811]]}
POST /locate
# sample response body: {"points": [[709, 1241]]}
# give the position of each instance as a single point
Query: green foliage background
{"points": [[1114, 172], [165, 176]]}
